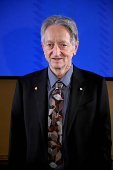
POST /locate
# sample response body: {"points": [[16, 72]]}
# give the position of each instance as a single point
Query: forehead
{"points": [[57, 33]]}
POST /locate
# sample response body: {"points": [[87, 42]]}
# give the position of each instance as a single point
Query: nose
{"points": [[56, 50]]}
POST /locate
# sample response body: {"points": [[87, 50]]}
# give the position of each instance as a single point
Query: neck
{"points": [[60, 72]]}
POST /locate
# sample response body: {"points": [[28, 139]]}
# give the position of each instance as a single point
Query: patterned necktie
{"points": [[55, 118]]}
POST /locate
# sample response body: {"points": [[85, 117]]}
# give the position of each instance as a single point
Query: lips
{"points": [[56, 59]]}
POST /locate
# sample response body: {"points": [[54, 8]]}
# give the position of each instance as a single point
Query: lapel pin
{"points": [[81, 88], [35, 88]]}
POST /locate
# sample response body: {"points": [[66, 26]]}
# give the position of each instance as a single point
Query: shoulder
{"points": [[87, 75], [37, 75], [32, 79], [91, 80]]}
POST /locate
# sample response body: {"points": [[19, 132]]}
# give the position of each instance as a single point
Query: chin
{"points": [[57, 66]]}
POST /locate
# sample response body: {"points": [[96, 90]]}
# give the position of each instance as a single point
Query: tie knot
{"points": [[58, 85]]}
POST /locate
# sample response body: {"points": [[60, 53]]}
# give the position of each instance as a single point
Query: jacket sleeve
{"points": [[103, 130], [17, 138]]}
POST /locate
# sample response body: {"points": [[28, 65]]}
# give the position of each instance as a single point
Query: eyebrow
{"points": [[64, 42], [49, 41]]}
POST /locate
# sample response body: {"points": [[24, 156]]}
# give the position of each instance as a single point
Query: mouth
{"points": [[56, 59]]}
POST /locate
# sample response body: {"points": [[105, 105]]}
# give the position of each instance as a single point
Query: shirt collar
{"points": [[66, 79]]}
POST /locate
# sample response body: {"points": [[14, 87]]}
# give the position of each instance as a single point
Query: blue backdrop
{"points": [[20, 45]]}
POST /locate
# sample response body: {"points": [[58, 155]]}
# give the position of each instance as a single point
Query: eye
{"points": [[63, 46], [49, 45]]}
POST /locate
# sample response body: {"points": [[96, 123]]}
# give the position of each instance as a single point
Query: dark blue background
{"points": [[20, 45]]}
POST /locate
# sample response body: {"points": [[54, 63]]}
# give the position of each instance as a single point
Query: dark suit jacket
{"points": [[87, 130]]}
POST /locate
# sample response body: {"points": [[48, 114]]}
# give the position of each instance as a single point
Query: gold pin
{"points": [[81, 88], [35, 88]]}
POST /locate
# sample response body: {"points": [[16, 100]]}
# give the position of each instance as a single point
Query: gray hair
{"points": [[63, 21]]}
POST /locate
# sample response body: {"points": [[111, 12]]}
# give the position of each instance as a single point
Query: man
{"points": [[78, 135]]}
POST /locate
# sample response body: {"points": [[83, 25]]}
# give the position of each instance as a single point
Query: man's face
{"points": [[58, 48]]}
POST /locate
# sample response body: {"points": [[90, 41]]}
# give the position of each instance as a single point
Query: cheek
{"points": [[47, 54], [69, 54]]}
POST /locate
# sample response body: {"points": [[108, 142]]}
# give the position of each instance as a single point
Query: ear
{"points": [[76, 47], [43, 47]]}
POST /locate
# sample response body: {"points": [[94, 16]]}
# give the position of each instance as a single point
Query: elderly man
{"points": [[60, 115]]}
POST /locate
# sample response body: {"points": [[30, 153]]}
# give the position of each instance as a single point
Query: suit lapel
{"points": [[77, 90], [40, 90]]}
